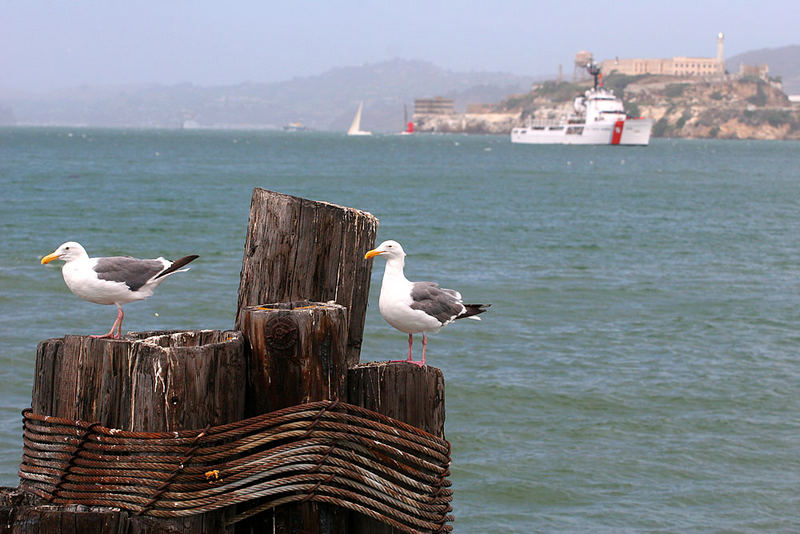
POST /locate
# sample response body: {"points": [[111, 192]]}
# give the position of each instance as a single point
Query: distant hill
{"points": [[783, 62], [324, 102]]}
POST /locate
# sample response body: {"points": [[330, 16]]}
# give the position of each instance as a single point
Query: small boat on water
{"points": [[294, 127], [599, 118], [409, 124], [355, 126]]}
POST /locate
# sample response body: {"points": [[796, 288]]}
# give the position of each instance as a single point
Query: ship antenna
{"points": [[594, 70]]}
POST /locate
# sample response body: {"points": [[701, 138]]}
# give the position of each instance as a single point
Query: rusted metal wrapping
{"points": [[326, 451]]}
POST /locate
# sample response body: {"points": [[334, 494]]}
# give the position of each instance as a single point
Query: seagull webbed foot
{"points": [[106, 336], [419, 364]]}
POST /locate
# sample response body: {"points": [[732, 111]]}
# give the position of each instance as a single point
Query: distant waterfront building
{"points": [[434, 106], [758, 71], [479, 108], [676, 66]]}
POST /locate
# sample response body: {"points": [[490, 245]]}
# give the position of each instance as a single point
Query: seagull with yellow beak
{"points": [[414, 307], [113, 280]]}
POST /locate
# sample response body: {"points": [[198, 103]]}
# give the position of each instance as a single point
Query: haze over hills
{"points": [[324, 102], [783, 62]]}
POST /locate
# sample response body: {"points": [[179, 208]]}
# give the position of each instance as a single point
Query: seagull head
{"points": [[66, 251], [389, 249]]}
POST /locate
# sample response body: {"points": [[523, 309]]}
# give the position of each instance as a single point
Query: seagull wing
{"points": [[133, 272], [443, 304]]}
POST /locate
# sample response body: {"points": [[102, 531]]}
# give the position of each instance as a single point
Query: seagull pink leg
{"points": [[410, 341], [120, 316], [424, 344], [116, 326]]}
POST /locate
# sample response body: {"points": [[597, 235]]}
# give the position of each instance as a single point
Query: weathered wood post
{"points": [[146, 381], [301, 250], [414, 395], [298, 354]]}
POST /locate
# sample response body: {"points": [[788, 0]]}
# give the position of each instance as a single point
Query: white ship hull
{"points": [[620, 132], [598, 118]]}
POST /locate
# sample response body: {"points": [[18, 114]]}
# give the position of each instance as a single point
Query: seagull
{"points": [[414, 307], [113, 280]]}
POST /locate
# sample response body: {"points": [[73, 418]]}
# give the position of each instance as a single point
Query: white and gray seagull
{"points": [[414, 307], [114, 280]]}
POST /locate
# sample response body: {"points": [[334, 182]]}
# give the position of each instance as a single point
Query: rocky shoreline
{"points": [[732, 108]]}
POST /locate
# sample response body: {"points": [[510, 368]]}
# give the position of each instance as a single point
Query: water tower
{"points": [[582, 59]]}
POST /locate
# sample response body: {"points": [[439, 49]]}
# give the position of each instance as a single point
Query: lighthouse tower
{"points": [[721, 52]]}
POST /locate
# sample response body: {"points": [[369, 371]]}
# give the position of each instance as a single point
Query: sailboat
{"points": [[355, 127], [409, 125]]}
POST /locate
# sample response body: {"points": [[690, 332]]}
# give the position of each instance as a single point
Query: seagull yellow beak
{"points": [[50, 257], [372, 253]]}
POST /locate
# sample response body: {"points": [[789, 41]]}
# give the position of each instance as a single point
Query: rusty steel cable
{"points": [[326, 451]]}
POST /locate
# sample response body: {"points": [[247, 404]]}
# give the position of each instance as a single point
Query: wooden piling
{"points": [[412, 394], [300, 249], [298, 354], [147, 381], [76, 519]]}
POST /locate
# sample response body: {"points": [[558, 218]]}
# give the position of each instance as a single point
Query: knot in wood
{"points": [[280, 334]]}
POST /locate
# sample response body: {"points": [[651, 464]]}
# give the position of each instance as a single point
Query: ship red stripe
{"points": [[617, 135]]}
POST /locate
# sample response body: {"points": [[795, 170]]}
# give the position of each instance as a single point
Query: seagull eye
{"points": [[66, 248]]}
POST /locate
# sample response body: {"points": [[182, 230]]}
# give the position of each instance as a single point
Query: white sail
{"points": [[355, 127]]}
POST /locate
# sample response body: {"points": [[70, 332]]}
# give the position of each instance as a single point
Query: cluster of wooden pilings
{"points": [[297, 339]]}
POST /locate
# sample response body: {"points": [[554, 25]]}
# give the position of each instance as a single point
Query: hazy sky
{"points": [[47, 44]]}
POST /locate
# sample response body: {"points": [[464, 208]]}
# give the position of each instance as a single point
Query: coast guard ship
{"points": [[598, 119]]}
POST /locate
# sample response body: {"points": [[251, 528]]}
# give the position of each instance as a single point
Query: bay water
{"points": [[638, 371]]}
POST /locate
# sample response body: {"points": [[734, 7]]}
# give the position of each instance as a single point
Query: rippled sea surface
{"points": [[639, 369]]}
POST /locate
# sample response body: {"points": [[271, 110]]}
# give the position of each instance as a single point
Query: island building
{"points": [[676, 66], [758, 71], [434, 106]]}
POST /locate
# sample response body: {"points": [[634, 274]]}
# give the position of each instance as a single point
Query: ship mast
{"points": [[594, 70]]}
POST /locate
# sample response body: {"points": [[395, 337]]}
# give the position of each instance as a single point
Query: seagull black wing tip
{"points": [[177, 264], [473, 309]]}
